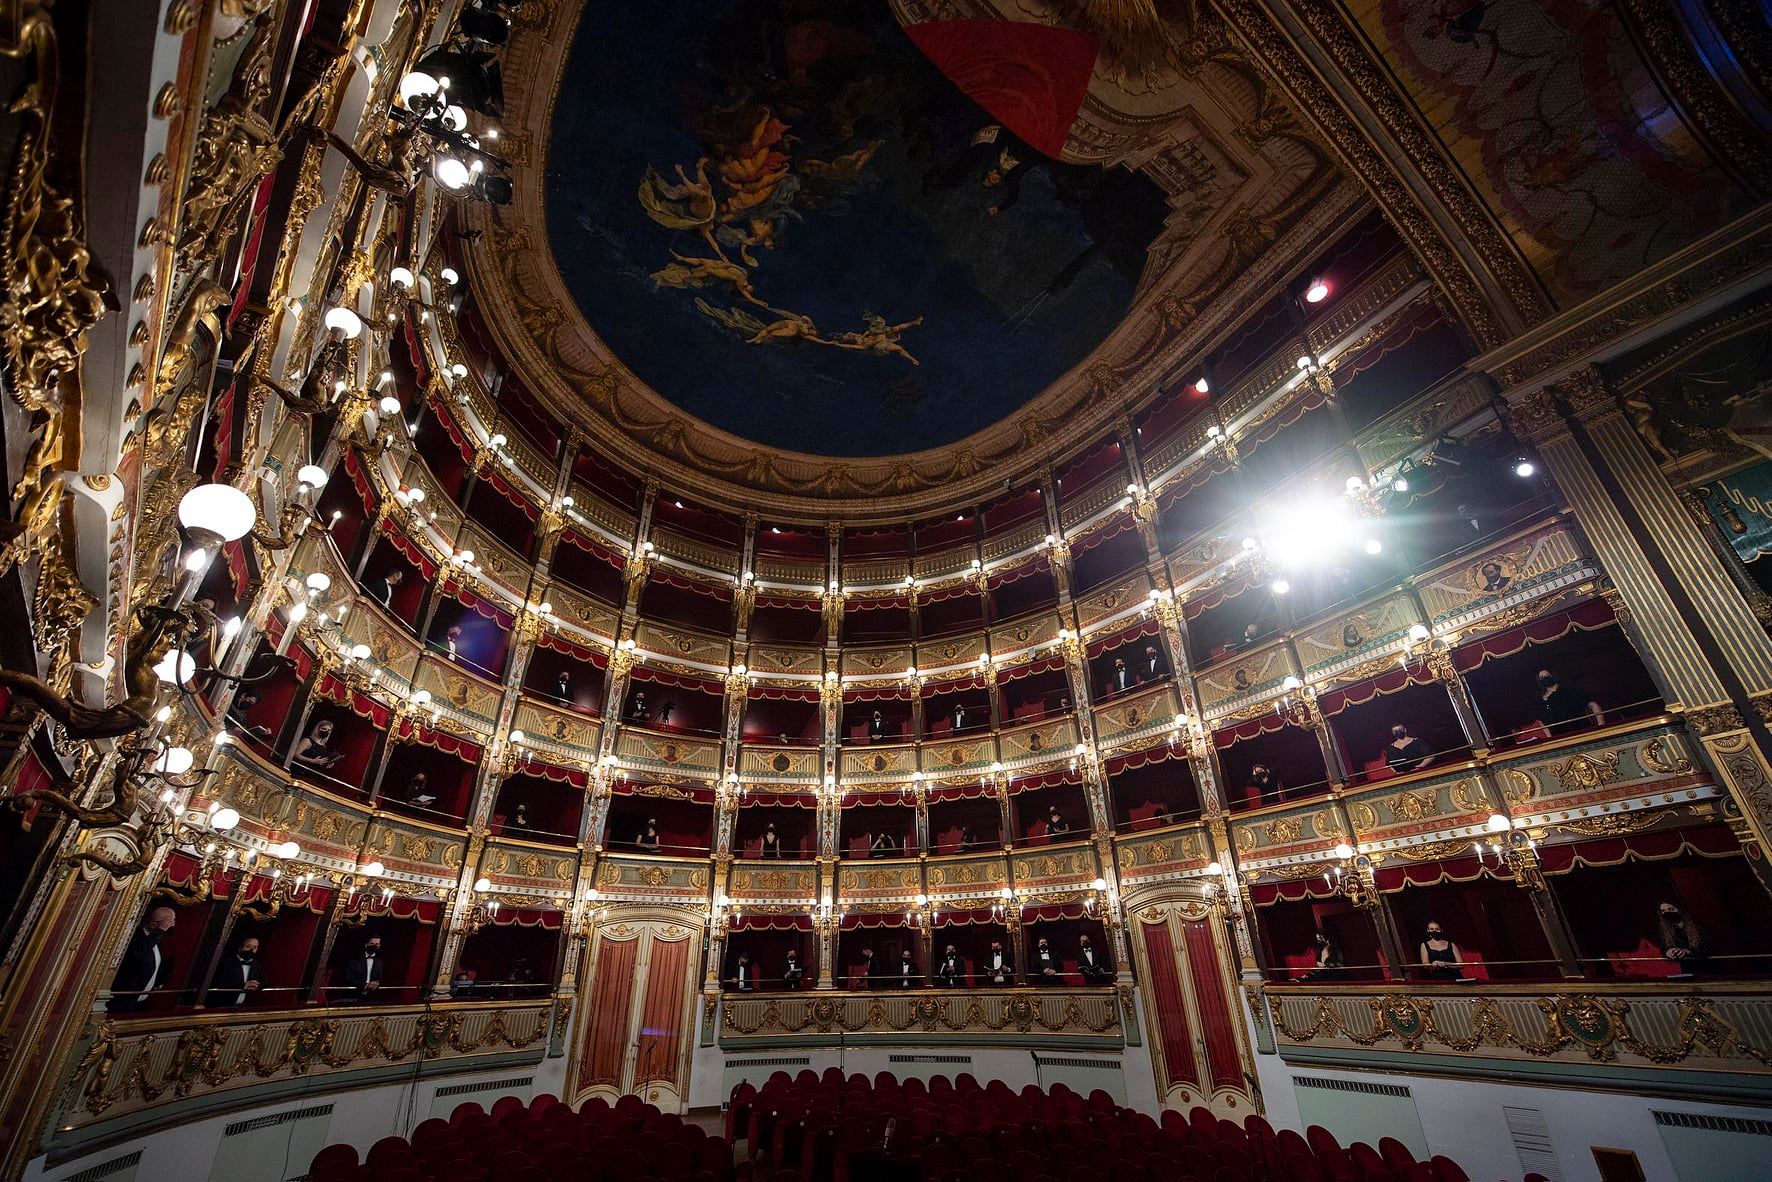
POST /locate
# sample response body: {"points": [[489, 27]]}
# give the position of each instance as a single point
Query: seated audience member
{"points": [[882, 846], [1094, 967], [743, 977], [462, 984], [648, 839], [144, 967], [1120, 680], [1439, 955], [1406, 753], [363, 972], [316, 750], [1330, 965], [1056, 826], [1264, 786], [950, 970], [793, 975], [907, 976], [236, 978], [522, 972], [771, 841], [382, 590], [997, 967], [1680, 940], [418, 791], [1251, 633], [1564, 708], [242, 706], [1045, 969], [877, 728]]}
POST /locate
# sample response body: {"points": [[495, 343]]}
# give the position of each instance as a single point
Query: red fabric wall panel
{"points": [[1168, 1007], [1215, 1011], [606, 1034], [661, 1016]]}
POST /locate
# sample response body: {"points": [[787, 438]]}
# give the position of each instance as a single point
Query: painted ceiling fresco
{"points": [[786, 220], [1553, 115]]}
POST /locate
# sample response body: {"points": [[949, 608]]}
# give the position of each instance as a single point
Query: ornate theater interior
{"points": [[823, 590]]}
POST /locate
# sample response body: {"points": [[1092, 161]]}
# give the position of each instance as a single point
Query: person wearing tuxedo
{"points": [[877, 728], [1151, 668], [998, 969], [1046, 969], [363, 971], [792, 974], [236, 978], [637, 707], [383, 589], [1094, 966], [144, 967], [959, 717], [744, 975], [907, 976], [950, 971], [563, 686], [1121, 679]]}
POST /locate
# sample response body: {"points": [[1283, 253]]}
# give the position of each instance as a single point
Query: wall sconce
{"points": [[485, 909]]}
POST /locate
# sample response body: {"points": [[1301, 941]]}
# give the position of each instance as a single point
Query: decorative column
{"points": [[1697, 634]]}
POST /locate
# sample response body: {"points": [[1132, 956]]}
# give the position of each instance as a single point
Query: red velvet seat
{"points": [[464, 1109], [505, 1105]]}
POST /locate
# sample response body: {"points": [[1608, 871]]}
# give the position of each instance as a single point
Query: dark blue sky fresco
{"points": [[776, 214]]}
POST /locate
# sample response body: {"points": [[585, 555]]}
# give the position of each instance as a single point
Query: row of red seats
{"points": [[542, 1141], [828, 1128]]}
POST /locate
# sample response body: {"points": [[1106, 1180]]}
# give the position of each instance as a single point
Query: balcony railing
{"points": [[1010, 1017], [1710, 1039]]}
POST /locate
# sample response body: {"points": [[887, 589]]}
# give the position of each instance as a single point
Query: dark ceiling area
{"points": [[795, 227]]}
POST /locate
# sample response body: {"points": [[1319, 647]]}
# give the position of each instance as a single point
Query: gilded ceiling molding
{"points": [[1490, 322], [1286, 199], [1734, 142]]}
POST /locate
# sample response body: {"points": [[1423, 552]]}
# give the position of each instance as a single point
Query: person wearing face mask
{"points": [[743, 978], [1439, 955], [793, 975], [1563, 708], [771, 841], [363, 971], [1330, 965], [950, 971], [144, 967], [1094, 966], [648, 839], [997, 969], [1406, 753], [1046, 968], [236, 978], [563, 686], [1121, 680], [907, 977], [1680, 940], [877, 728]]}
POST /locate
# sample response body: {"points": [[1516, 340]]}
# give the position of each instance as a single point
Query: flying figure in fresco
{"points": [[743, 191]]}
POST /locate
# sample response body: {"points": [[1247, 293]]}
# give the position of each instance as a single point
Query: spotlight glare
{"points": [[1374, 546], [1525, 469], [1317, 291]]}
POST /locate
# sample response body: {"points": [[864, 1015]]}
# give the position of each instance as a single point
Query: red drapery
{"points": [[453, 430], [611, 998], [661, 573], [334, 690], [1293, 411], [1147, 627], [1390, 682], [409, 550], [1043, 665], [479, 604], [858, 920], [1194, 608], [1057, 779], [259, 886], [1589, 616], [560, 644], [528, 917], [656, 676], [510, 493], [782, 693], [888, 694], [368, 902], [1252, 728], [950, 591], [1168, 1006], [1030, 77], [587, 543], [810, 604], [1138, 759], [661, 1013], [963, 790], [1111, 528], [1002, 578], [1209, 994], [441, 740], [769, 923], [360, 480], [548, 771]]}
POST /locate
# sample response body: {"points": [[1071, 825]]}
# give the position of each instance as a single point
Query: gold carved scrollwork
{"points": [[1411, 805], [1588, 771], [1665, 756], [1281, 830]]}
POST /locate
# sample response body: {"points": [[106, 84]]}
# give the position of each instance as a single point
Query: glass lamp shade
{"points": [[361, 652], [452, 173], [455, 119], [401, 277], [448, 275], [319, 582], [344, 322], [373, 869], [482, 884], [218, 511], [177, 667], [390, 405], [287, 850], [176, 761], [417, 85], [224, 819], [312, 475]]}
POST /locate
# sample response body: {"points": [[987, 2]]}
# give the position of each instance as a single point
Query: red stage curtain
{"points": [[611, 997], [1168, 1007], [1030, 77]]}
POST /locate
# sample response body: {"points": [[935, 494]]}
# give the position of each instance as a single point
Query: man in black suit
{"points": [[144, 968], [383, 589], [950, 971], [877, 728], [907, 977], [1046, 968], [959, 717], [744, 975], [363, 972], [1094, 966], [997, 968], [792, 974], [236, 978], [1121, 680], [1151, 668]]}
